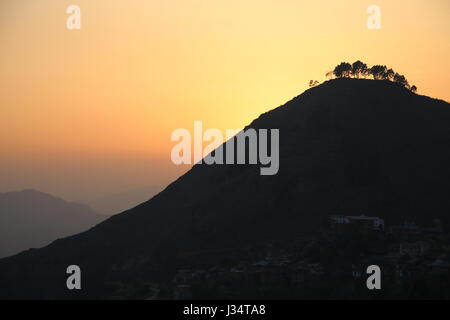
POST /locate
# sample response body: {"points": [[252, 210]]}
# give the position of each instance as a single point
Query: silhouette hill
{"points": [[347, 146]]}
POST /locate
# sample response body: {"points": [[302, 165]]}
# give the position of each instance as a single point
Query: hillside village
{"points": [[412, 259]]}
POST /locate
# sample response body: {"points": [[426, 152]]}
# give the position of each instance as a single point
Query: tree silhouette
{"points": [[359, 69], [378, 72], [400, 79], [313, 83], [343, 70], [389, 74]]}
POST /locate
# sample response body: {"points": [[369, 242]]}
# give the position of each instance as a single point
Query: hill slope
{"points": [[31, 218], [347, 146], [118, 202]]}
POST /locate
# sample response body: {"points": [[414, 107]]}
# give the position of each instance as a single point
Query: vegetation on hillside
{"points": [[359, 69]]}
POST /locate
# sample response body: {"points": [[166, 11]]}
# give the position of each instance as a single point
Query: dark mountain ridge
{"points": [[348, 146]]}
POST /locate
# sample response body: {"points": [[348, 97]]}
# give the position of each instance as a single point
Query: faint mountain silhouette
{"points": [[32, 219]]}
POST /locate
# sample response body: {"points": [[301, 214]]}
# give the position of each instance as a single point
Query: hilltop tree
{"points": [[378, 72], [343, 70], [358, 69], [389, 74], [313, 83], [400, 79]]}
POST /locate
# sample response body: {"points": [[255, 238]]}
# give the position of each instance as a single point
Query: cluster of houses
{"points": [[402, 260], [264, 274], [367, 224], [361, 223]]}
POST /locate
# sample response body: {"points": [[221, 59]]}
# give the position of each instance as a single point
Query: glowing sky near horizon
{"points": [[90, 112]]}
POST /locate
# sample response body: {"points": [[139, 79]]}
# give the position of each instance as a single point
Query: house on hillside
{"points": [[361, 223]]}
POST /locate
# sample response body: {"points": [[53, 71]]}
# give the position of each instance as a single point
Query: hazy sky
{"points": [[90, 112]]}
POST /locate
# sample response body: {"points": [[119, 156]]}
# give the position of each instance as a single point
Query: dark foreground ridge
{"points": [[347, 147]]}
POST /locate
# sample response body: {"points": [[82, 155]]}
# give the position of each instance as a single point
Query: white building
{"points": [[375, 223]]}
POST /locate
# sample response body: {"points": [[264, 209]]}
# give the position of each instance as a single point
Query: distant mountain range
{"points": [[347, 146], [32, 219]]}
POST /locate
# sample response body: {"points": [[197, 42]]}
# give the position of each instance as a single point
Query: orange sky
{"points": [[90, 112]]}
